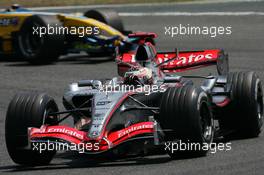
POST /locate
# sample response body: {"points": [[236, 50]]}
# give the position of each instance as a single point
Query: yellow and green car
{"points": [[41, 37]]}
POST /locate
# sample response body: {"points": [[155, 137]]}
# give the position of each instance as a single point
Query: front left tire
{"points": [[24, 111], [38, 49]]}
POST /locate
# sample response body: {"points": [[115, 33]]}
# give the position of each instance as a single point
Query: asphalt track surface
{"points": [[246, 50]]}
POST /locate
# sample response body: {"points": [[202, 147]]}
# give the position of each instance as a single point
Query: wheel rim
{"points": [[29, 42], [206, 122], [47, 119], [260, 104]]}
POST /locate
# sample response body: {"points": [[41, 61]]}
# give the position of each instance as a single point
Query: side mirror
{"points": [[93, 83], [84, 83], [173, 79]]}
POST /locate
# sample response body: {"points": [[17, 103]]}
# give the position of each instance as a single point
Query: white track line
{"points": [[193, 14], [141, 4]]}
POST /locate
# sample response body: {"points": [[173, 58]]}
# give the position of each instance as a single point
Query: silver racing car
{"points": [[147, 107]]}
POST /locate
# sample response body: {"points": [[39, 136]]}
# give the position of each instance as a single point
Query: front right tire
{"points": [[186, 117], [107, 16]]}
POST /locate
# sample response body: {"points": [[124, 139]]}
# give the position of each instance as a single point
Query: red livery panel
{"points": [[185, 60], [75, 136]]}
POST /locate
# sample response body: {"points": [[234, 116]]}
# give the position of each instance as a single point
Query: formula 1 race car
{"points": [[41, 37], [147, 107]]}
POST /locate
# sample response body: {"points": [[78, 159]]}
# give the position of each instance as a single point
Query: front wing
{"points": [[70, 135]]}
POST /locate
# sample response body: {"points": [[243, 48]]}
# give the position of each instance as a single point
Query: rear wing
{"points": [[186, 60], [181, 61]]}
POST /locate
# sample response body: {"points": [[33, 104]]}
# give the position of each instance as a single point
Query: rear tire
{"points": [[106, 16], [244, 115], [185, 116], [36, 49], [28, 110]]}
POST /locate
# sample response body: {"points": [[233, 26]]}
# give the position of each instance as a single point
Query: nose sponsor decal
{"points": [[136, 127], [58, 130], [9, 21]]}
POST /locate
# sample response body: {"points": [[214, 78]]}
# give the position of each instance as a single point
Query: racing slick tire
{"points": [[38, 41], [244, 114], [186, 118], [28, 110], [107, 16]]}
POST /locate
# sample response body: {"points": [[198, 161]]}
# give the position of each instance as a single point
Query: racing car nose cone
{"points": [[104, 107]]}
